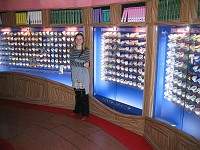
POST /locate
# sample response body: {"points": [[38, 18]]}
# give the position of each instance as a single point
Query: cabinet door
{"points": [[119, 64], [178, 78], [38, 51]]}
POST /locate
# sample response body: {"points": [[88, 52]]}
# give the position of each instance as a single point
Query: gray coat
{"points": [[82, 74]]}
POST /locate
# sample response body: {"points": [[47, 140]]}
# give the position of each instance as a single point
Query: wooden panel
{"points": [[58, 93], [168, 22], [160, 135], [193, 12], [166, 137], [8, 19], [115, 14], [88, 38], [29, 88], [5, 85], [184, 143], [87, 16], [129, 122], [46, 18], [35, 90], [151, 11], [184, 11], [135, 24], [149, 7], [11, 18], [193, 8], [150, 69]]}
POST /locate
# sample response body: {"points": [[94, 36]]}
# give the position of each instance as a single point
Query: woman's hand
{"points": [[86, 65]]}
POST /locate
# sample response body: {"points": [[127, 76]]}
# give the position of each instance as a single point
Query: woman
{"points": [[79, 62]]}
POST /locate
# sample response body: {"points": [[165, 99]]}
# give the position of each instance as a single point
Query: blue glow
{"points": [[166, 110], [48, 73], [108, 89]]}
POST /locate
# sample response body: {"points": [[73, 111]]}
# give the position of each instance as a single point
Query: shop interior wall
{"points": [[158, 134]]}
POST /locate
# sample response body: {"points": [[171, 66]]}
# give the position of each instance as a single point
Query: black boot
{"points": [[77, 108], [85, 104]]}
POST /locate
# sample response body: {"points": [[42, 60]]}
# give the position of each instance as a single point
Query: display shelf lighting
{"points": [[6, 30], [114, 28], [187, 28]]}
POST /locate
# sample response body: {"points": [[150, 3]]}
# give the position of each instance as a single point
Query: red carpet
{"points": [[4, 145], [131, 140]]}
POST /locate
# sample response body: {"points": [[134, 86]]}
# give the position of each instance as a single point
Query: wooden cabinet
{"points": [[194, 11], [157, 12], [188, 13], [7, 19]]}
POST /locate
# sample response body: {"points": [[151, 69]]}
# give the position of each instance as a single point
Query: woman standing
{"points": [[79, 62]]}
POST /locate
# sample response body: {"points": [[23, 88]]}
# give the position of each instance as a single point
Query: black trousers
{"points": [[81, 103]]}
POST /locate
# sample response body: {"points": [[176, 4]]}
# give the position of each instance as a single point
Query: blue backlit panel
{"points": [[119, 64], [177, 90], [38, 51]]}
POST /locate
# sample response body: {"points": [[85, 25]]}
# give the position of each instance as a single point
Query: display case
{"points": [[38, 51], [119, 64], [177, 88]]}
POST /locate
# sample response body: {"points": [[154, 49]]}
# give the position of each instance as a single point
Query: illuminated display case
{"points": [[119, 64], [177, 97], [38, 51]]}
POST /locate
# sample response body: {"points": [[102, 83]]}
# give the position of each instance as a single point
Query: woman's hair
{"points": [[83, 45]]}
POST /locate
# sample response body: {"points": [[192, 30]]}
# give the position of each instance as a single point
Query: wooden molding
{"points": [[87, 16], [151, 11], [168, 22], [150, 69], [6, 85], [46, 18], [165, 137], [193, 12], [129, 122], [36, 90], [135, 24], [8, 19], [115, 14], [184, 11]]}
